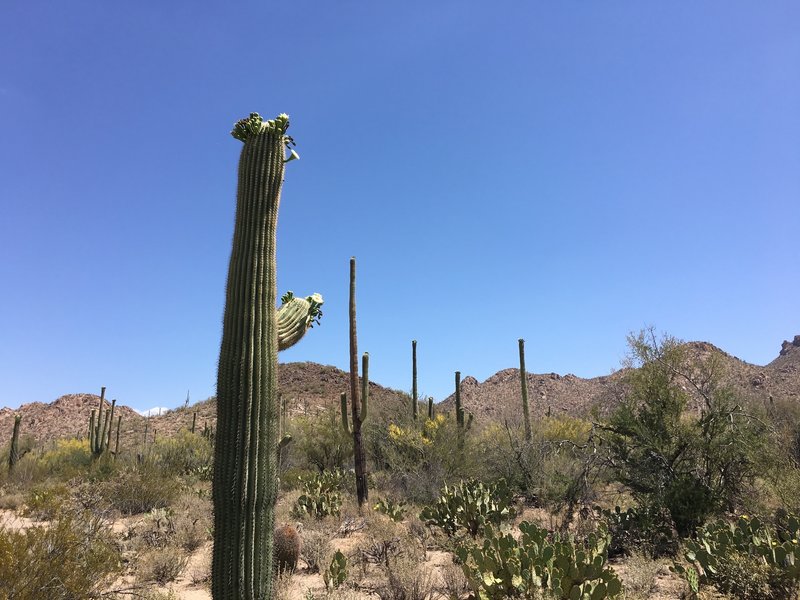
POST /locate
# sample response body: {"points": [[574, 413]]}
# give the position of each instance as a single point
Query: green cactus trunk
{"points": [[116, 445], [459, 408], [13, 455], [246, 452], [414, 398], [523, 378], [359, 415], [430, 409]]}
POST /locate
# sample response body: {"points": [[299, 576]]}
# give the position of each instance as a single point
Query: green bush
{"points": [[74, 557], [319, 442], [45, 502], [693, 466], [748, 559], [471, 505], [140, 490], [504, 567], [647, 530], [185, 453]]}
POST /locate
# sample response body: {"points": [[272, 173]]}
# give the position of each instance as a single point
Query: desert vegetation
{"points": [[676, 485], [682, 489]]}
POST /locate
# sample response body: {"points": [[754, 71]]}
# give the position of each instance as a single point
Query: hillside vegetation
{"points": [[677, 476]]}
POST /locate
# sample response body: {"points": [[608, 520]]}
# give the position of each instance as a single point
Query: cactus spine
{"points": [[246, 453], [13, 455], [523, 378], [359, 412], [414, 398]]}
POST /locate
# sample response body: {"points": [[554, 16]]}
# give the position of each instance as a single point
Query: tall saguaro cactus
{"points": [[414, 398], [523, 378], [246, 449], [360, 459]]}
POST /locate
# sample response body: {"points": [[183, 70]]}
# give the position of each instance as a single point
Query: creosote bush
{"points": [[74, 557], [140, 489]]}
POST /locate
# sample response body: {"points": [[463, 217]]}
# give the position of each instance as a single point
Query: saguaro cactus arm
{"points": [[296, 316]]}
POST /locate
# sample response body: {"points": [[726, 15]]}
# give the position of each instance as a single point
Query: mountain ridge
{"points": [[311, 387]]}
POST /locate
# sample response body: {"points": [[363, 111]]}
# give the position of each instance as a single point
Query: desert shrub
{"points": [[504, 567], [647, 530], [191, 518], [161, 565], [693, 466], [316, 549], [292, 478], [44, 502], [69, 458], [319, 442], [185, 453], [73, 557], [471, 506], [405, 579], [748, 559], [641, 576], [455, 582], [565, 428], [418, 457], [140, 490]]}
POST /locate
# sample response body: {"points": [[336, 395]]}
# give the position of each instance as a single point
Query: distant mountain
{"points": [[310, 388], [499, 397]]}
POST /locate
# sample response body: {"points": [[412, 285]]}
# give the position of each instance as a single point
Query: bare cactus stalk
{"points": [[414, 398], [523, 378], [359, 415]]}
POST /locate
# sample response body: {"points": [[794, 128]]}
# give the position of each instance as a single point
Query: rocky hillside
{"points": [[499, 397], [310, 388]]}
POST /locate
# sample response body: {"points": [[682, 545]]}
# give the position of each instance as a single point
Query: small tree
{"points": [[691, 462]]}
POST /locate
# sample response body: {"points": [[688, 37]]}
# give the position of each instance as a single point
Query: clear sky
{"points": [[566, 172]]}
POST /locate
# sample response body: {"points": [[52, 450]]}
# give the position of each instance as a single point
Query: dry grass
{"points": [[161, 565]]}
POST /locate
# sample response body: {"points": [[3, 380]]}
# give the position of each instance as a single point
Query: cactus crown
{"points": [[255, 125]]}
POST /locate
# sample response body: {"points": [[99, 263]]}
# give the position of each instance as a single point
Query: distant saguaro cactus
{"points": [[523, 378], [359, 409], [100, 430], [245, 481], [13, 455], [414, 398]]}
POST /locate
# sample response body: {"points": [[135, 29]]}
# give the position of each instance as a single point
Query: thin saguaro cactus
{"points": [[359, 411], [414, 398], [13, 455], [523, 378]]}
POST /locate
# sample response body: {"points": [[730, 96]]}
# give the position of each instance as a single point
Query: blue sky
{"points": [[566, 172]]}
